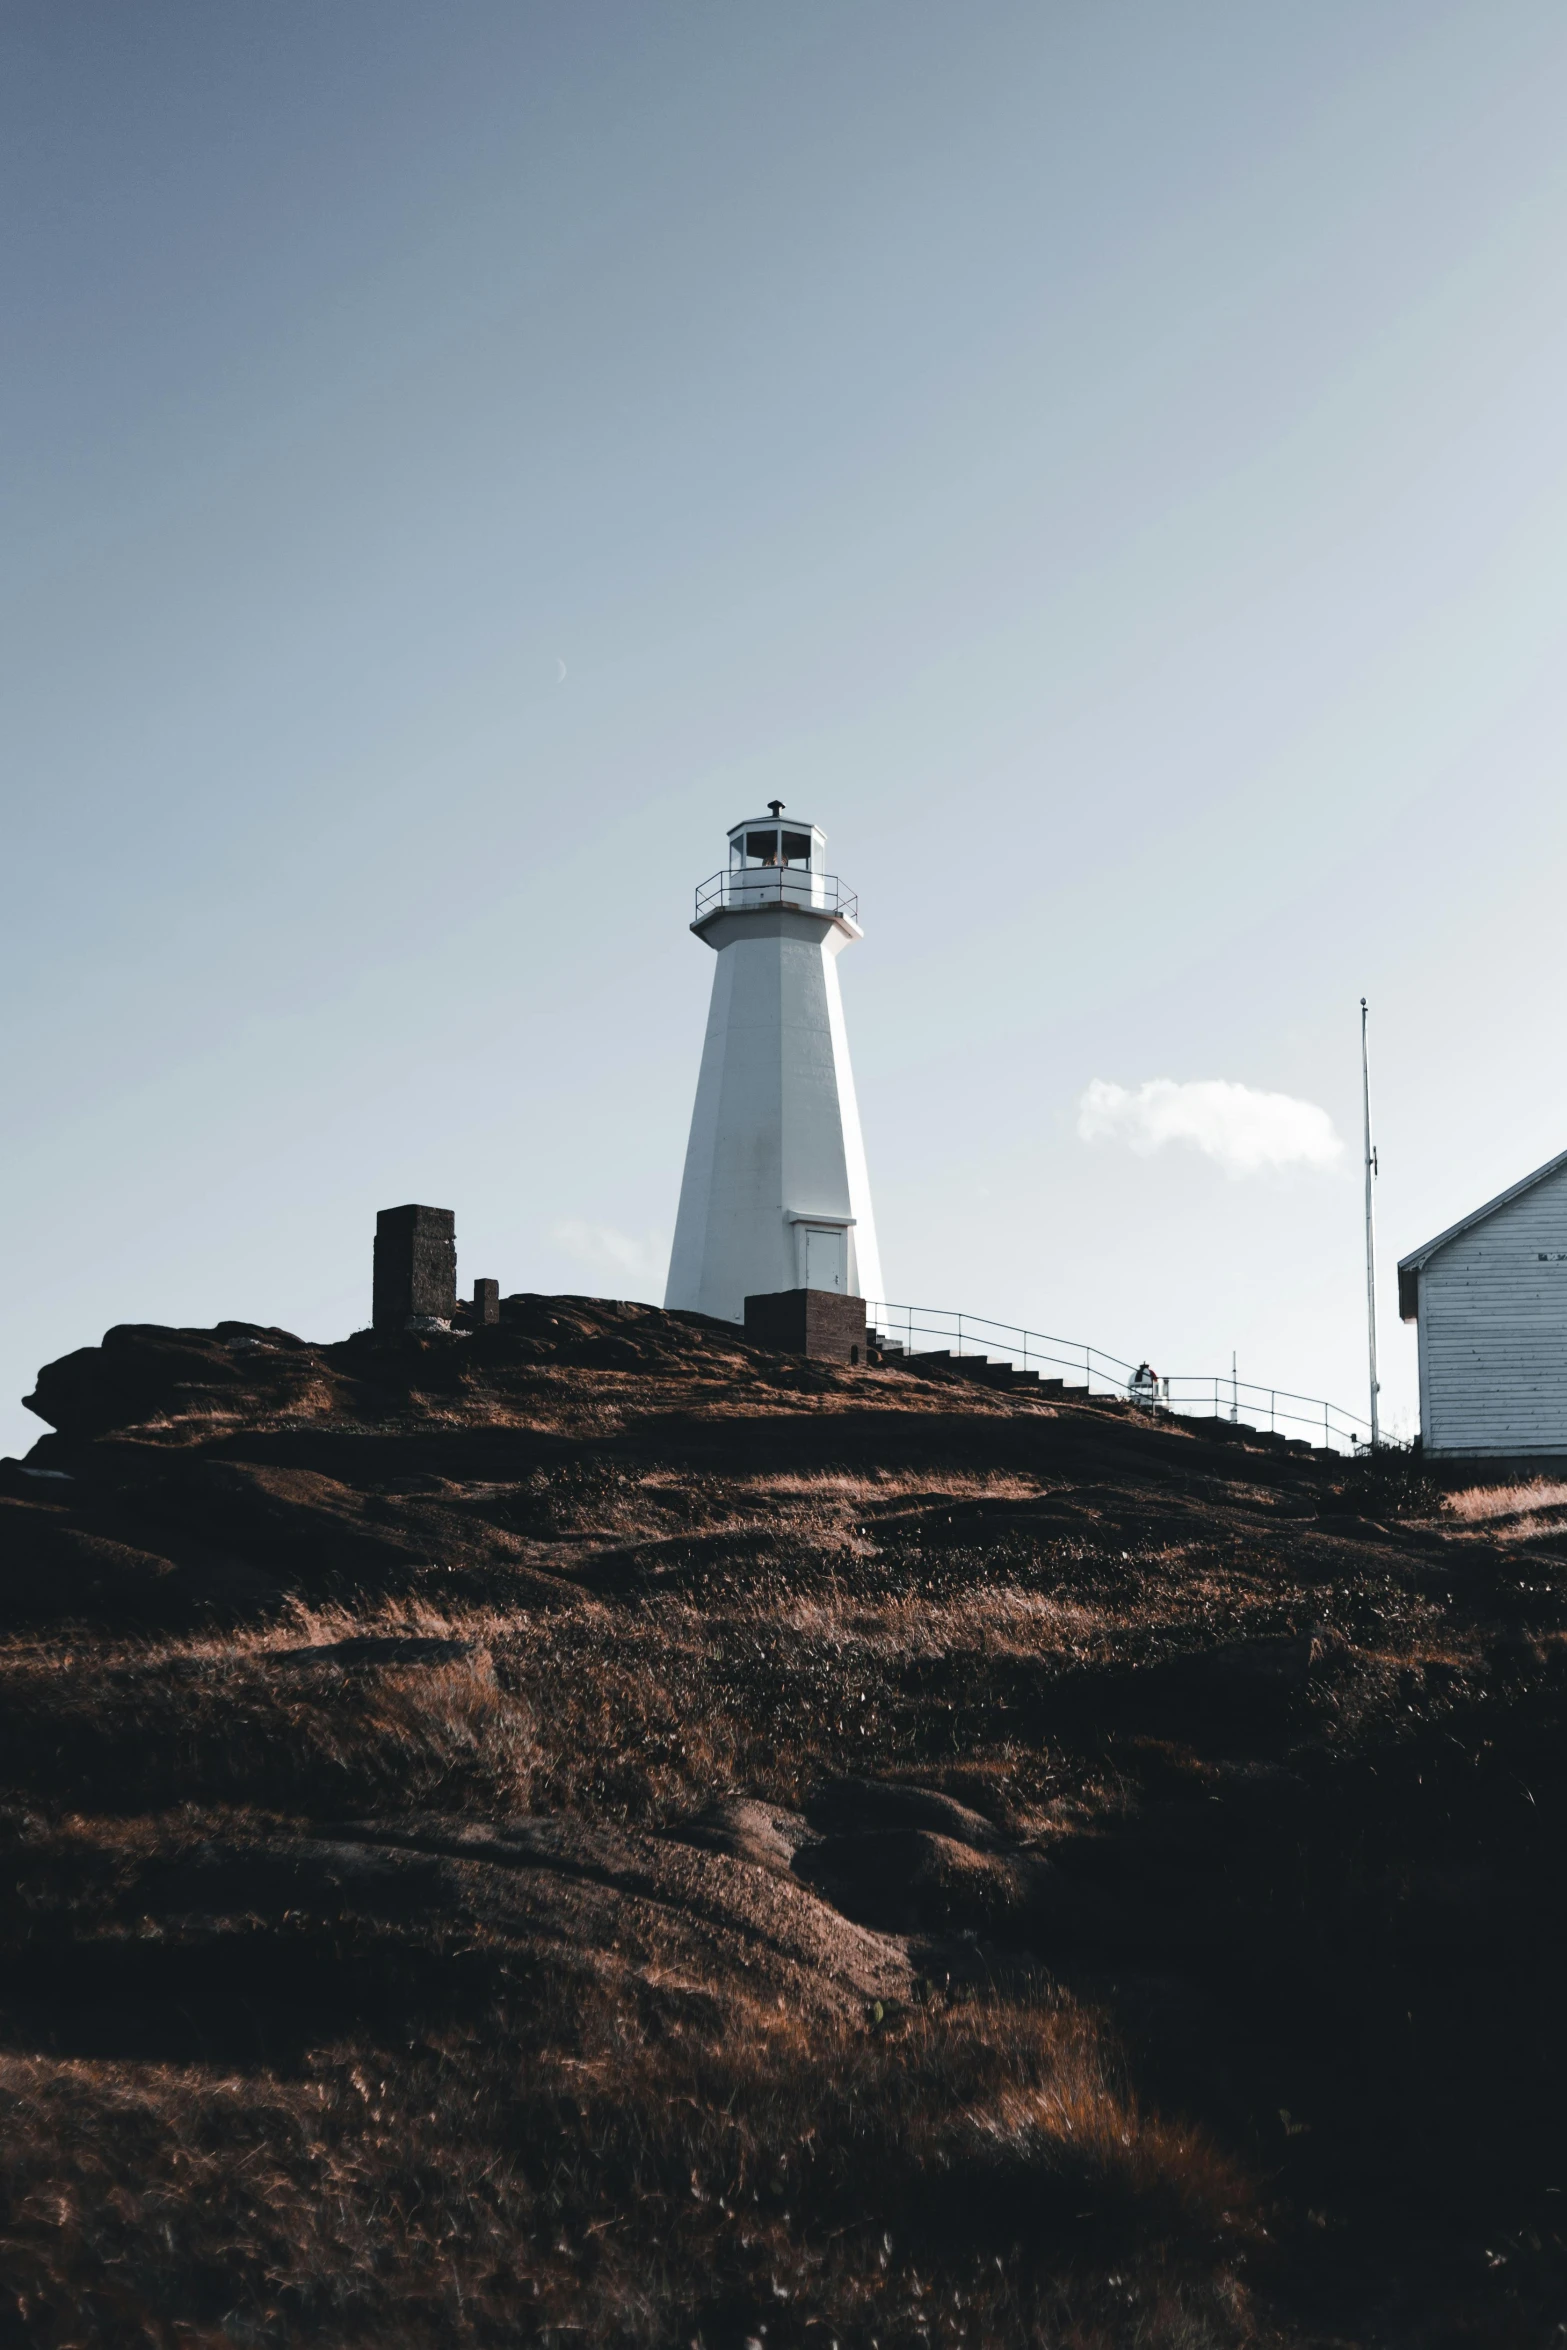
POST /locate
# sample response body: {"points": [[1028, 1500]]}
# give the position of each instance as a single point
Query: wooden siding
{"points": [[1493, 1331]]}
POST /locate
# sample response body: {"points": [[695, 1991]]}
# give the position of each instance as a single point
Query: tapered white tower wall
{"points": [[775, 1194]]}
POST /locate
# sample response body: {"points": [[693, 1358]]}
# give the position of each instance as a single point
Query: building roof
{"points": [[1420, 1256]]}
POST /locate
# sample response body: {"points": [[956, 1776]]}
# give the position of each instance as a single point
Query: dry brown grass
{"points": [[1475, 1503], [147, 1724], [903, 1623], [953, 2177], [835, 1485], [640, 1713], [1511, 1513]]}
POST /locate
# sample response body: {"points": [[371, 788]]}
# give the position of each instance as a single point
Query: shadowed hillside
{"points": [[585, 1832]]}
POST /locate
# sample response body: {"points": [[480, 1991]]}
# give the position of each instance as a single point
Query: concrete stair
{"points": [[942, 1363], [1230, 1431]]}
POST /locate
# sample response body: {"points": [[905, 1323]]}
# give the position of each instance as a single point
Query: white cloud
{"points": [[1243, 1129], [609, 1251]]}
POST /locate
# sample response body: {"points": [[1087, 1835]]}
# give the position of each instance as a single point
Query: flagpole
{"points": [[1371, 1229]]}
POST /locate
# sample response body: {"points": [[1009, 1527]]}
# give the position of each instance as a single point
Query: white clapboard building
{"points": [[775, 1194], [1489, 1296]]}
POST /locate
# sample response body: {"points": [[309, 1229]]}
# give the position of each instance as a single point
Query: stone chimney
{"points": [[415, 1267]]}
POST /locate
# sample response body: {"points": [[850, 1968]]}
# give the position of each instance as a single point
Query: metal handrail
{"points": [[1186, 1393], [747, 886]]}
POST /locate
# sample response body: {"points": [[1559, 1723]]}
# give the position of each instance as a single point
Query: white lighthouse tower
{"points": [[775, 1194]]}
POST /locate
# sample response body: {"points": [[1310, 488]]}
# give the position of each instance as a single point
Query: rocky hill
{"points": [[582, 1831]]}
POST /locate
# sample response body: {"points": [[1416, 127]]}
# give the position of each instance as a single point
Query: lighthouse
{"points": [[775, 1194]]}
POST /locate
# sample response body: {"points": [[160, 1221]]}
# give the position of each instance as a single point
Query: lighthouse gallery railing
{"points": [[1219, 1395], [746, 887]]}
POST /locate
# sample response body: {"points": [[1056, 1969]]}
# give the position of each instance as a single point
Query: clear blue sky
{"points": [[1105, 463]]}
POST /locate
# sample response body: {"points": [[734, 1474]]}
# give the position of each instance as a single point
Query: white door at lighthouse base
{"points": [[824, 1257]]}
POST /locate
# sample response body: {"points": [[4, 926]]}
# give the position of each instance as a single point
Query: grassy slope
{"points": [[583, 1832]]}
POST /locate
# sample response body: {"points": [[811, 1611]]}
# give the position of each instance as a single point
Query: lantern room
{"points": [[771, 843], [774, 863]]}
